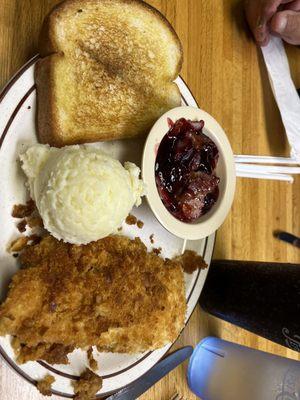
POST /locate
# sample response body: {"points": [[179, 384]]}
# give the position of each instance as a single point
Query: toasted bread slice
{"points": [[106, 71]]}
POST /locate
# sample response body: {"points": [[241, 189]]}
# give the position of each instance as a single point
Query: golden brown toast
{"points": [[106, 71], [111, 293]]}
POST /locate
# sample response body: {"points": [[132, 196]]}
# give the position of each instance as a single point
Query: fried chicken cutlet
{"points": [[112, 294]]}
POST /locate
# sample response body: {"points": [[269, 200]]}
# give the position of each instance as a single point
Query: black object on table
{"points": [[263, 298], [288, 238]]}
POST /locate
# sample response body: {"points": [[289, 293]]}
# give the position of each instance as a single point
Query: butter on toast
{"points": [[106, 71]]}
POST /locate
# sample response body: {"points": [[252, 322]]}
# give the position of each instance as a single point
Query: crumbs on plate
{"points": [[157, 250], [132, 220], [18, 244], [140, 224], [151, 237], [87, 386], [22, 226], [191, 261], [23, 210], [92, 362], [35, 222], [44, 385], [21, 242]]}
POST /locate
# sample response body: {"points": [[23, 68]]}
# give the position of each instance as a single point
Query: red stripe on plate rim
{"points": [[17, 75]]}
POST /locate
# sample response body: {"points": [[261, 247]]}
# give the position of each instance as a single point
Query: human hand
{"points": [[278, 17]]}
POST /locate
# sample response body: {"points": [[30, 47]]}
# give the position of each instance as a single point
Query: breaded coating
{"points": [[44, 385], [51, 353], [18, 244], [92, 362], [190, 261], [112, 294], [23, 210], [87, 386]]}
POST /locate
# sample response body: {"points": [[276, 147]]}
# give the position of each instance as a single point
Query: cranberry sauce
{"points": [[185, 170]]}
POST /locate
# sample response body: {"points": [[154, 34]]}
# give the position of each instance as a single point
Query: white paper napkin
{"points": [[284, 91]]}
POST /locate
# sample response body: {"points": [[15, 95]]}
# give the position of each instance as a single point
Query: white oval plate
{"points": [[17, 130]]}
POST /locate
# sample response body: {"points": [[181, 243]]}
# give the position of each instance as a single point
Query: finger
{"points": [[258, 14], [255, 20], [287, 25], [269, 7], [261, 32], [294, 6]]}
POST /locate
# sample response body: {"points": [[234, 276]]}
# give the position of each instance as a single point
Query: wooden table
{"points": [[225, 72]]}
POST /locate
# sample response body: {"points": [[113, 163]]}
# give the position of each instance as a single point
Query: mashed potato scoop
{"points": [[81, 193]]}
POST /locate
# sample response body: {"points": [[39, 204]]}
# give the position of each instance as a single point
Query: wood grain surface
{"points": [[225, 72]]}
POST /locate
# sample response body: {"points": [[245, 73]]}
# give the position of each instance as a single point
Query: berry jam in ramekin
{"points": [[185, 170]]}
